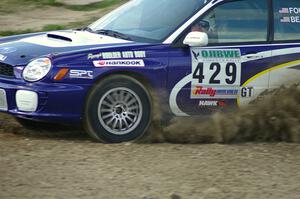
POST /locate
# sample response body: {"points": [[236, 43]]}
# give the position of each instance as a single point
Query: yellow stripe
{"points": [[265, 72], [269, 70]]}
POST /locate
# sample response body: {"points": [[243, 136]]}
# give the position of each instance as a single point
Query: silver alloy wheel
{"points": [[120, 111]]}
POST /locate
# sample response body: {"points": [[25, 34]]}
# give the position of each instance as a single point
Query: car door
{"points": [[286, 52], [220, 76]]}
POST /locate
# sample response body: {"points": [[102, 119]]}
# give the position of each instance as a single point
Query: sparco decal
{"points": [[81, 74], [117, 63]]}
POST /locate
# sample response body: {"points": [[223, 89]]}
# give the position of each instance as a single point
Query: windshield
{"points": [[148, 20]]}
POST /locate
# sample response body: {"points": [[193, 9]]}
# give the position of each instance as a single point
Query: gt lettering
{"points": [[247, 92]]}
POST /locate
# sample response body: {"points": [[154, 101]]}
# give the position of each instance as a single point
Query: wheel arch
{"points": [[135, 75]]}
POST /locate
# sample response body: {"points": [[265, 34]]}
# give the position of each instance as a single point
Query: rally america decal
{"points": [[216, 73]]}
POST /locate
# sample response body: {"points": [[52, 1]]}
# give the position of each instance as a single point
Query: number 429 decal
{"points": [[215, 67]]}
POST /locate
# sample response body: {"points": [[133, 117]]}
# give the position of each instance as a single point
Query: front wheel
{"points": [[118, 109]]}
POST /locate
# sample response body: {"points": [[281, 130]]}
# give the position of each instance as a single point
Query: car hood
{"points": [[21, 51]]}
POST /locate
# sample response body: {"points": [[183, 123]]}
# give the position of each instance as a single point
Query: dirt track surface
{"points": [[35, 18], [66, 164], [28, 19], [69, 165]]}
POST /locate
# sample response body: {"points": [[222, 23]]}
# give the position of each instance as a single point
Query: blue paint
{"points": [[63, 101]]}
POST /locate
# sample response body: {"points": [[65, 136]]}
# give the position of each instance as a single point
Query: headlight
{"points": [[37, 69]]}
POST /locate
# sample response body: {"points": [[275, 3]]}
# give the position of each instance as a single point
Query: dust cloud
{"points": [[275, 117]]}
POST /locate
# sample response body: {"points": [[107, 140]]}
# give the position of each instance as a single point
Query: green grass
{"points": [[51, 27], [42, 2], [9, 33], [73, 25]]}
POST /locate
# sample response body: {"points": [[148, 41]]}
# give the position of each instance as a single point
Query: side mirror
{"points": [[196, 39]]}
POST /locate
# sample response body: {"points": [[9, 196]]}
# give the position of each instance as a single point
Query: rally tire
{"points": [[118, 109]]}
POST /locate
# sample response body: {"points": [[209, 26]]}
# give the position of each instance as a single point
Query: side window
{"points": [[287, 20], [237, 21]]}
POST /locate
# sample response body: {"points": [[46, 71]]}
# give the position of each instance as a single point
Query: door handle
{"points": [[254, 56]]}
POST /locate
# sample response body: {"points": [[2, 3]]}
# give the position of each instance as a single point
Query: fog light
{"points": [[27, 101]]}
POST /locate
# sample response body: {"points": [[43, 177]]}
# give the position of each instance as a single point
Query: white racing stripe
{"points": [[173, 96], [272, 53]]}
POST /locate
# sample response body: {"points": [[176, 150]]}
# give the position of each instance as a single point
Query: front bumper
{"points": [[55, 102]]}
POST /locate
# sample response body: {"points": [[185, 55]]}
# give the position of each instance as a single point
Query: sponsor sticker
{"points": [[95, 56], [212, 103], [118, 63], [2, 57], [81, 74], [139, 54], [111, 55], [200, 92], [220, 54], [216, 73], [247, 92], [117, 55]]}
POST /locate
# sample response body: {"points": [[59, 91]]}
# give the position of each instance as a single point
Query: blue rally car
{"points": [[196, 56]]}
